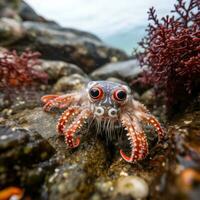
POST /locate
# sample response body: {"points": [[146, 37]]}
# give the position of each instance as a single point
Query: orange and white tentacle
{"points": [[74, 127], [59, 101], [66, 116], [143, 115], [137, 137], [150, 119]]}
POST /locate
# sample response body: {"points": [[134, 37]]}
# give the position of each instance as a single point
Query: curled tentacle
{"points": [[143, 114], [72, 129], [65, 117], [137, 139], [150, 119], [154, 122], [58, 101]]}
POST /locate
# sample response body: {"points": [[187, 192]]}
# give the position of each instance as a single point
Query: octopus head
{"points": [[107, 98]]}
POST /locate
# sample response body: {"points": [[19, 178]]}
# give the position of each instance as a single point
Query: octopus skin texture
{"points": [[107, 104]]}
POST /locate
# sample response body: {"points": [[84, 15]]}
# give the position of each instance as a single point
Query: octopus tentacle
{"points": [[58, 101], [49, 97], [143, 114], [65, 117], [154, 122], [72, 129], [150, 119], [137, 139]]}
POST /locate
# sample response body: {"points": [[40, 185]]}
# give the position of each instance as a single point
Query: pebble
{"points": [[133, 186]]}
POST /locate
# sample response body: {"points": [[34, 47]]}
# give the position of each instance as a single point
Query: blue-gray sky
{"points": [[115, 21]]}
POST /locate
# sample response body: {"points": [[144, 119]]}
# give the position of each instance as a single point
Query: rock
{"points": [[28, 14], [73, 82], [19, 100], [185, 131], [75, 179], [70, 45], [42, 122], [116, 80], [20, 151], [58, 69], [125, 70], [9, 8], [148, 97], [10, 31], [133, 186]]}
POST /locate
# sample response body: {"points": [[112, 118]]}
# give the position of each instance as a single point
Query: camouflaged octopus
{"points": [[107, 104]]}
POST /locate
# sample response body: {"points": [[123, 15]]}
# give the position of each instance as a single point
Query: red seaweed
{"points": [[17, 71], [171, 52]]}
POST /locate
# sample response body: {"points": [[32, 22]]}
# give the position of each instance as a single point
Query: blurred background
{"points": [[119, 23]]}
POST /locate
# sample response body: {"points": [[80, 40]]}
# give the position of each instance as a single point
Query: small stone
{"points": [[187, 122], [132, 185], [104, 187], [122, 173]]}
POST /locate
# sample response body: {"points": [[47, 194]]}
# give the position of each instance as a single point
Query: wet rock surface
{"points": [[54, 42], [124, 70], [25, 156], [57, 43], [95, 169], [58, 69], [34, 157], [10, 31]]}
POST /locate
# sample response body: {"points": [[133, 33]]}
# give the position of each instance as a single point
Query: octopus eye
{"points": [[120, 95], [96, 93]]}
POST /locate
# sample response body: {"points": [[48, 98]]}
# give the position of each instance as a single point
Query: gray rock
{"points": [[58, 69], [42, 122], [20, 150], [125, 70], [72, 82], [70, 45], [28, 14], [10, 31], [9, 8]]}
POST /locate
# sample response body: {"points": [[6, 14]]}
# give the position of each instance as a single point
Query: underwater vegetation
{"points": [[171, 52], [17, 71]]}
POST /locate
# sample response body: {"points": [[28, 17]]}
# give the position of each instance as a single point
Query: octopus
{"points": [[107, 104]]}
